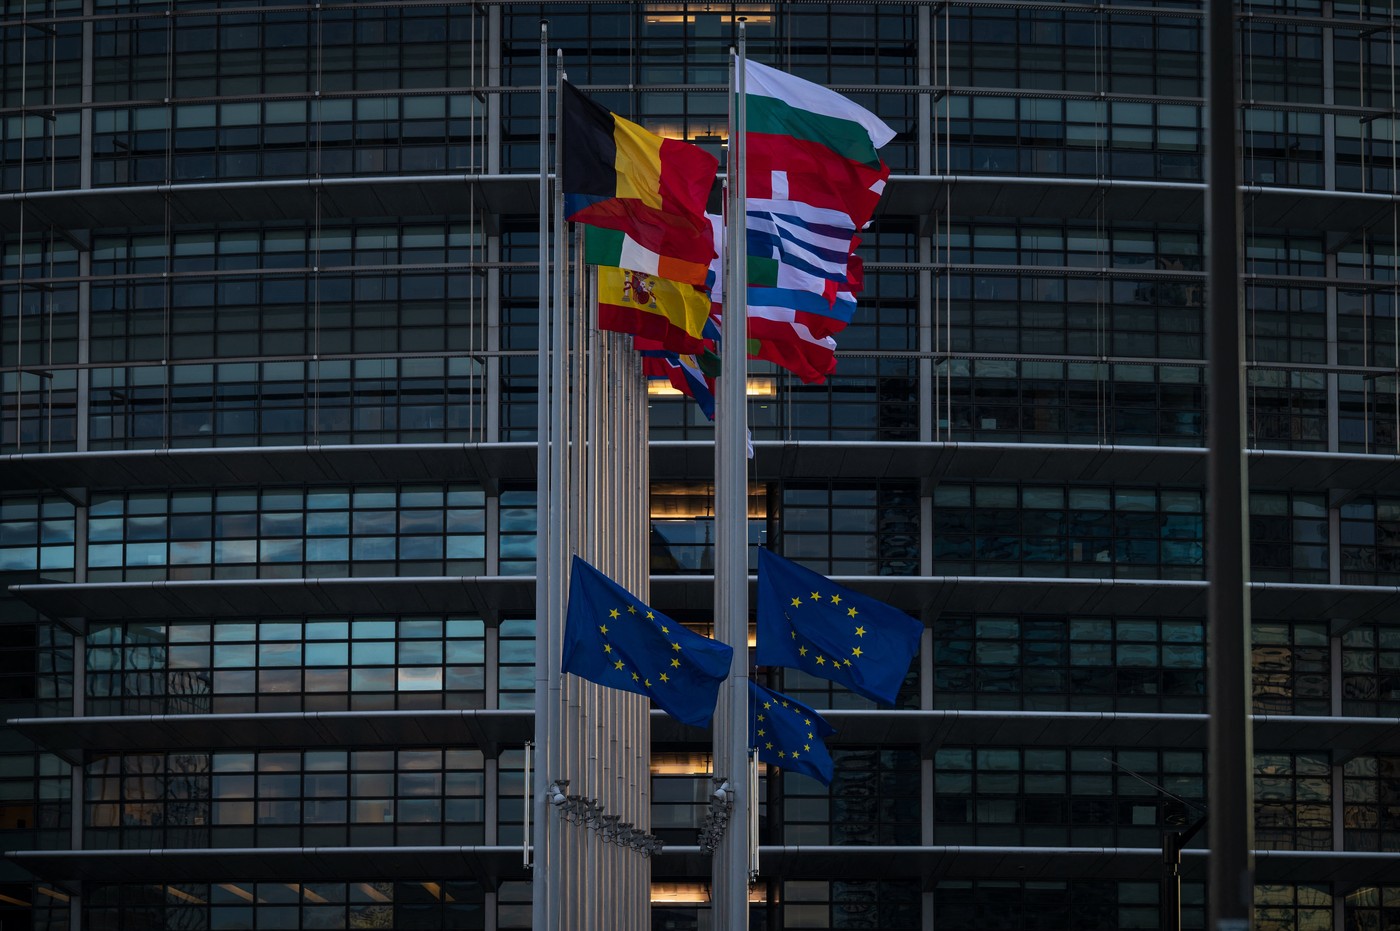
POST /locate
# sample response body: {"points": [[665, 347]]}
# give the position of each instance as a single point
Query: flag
{"points": [[792, 346], [815, 241], [613, 639], [670, 312], [684, 374], [808, 622], [619, 176], [807, 143], [616, 249], [822, 317], [787, 734]]}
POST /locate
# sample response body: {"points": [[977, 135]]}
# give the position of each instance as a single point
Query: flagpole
{"points": [[546, 768], [562, 888], [731, 863]]}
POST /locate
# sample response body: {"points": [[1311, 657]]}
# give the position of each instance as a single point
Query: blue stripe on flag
{"points": [[802, 301]]}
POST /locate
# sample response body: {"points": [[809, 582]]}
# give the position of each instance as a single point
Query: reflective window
{"points": [[1292, 801], [1055, 797], [440, 903], [285, 798], [1075, 664], [1371, 671], [316, 664], [287, 533], [1371, 806], [873, 799], [1079, 531]]}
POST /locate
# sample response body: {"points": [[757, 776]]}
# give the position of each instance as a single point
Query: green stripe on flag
{"points": [[602, 246], [845, 138], [763, 271]]}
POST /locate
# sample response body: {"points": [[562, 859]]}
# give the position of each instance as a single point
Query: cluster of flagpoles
{"points": [[820, 179], [592, 501], [592, 487]]}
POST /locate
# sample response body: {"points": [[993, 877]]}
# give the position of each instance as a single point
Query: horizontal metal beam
{"points": [[487, 597], [75, 739], [1061, 198], [493, 597], [488, 865], [487, 464], [483, 463], [491, 865]]}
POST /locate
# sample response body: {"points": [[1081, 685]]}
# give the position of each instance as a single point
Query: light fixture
{"points": [[555, 793]]}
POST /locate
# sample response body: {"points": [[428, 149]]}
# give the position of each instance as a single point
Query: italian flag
{"points": [[810, 144]]}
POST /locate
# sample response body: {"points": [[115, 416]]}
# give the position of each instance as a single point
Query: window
{"points": [[315, 664], [1074, 664], [285, 798]]}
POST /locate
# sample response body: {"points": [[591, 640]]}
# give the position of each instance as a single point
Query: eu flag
{"points": [[613, 639], [787, 734], [808, 622]]}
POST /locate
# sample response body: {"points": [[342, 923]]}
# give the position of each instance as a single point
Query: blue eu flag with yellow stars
{"points": [[613, 639], [808, 622], [786, 733]]}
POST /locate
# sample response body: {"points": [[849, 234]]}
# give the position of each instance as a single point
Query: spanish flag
{"points": [[670, 312], [618, 176]]}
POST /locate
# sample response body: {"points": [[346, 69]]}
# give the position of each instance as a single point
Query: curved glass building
{"points": [[268, 306]]}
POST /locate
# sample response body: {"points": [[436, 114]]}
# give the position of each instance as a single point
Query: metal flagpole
{"points": [[546, 762], [562, 892], [731, 866], [1231, 740]]}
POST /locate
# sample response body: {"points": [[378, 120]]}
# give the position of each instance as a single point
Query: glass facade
{"points": [[269, 294]]}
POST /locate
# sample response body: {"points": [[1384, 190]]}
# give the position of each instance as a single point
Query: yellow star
{"points": [[794, 635], [801, 651], [676, 647], [794, 754], [768, 745], [631, 609], [809, 736], [635, 677], [807, 747], [761, 718], [846, 662], [821, 660], [836, 599], [607, 648], [767, 705], [785, 704], [665, 678], [851, 612], [617, 665], [855, 651], [665, 629], [797, 602], [860, 631], [604, 629], [676, 663], [646, 682], [807, 721], [782, 755], [816, 596], [613, 613], [650, 616], [762, 732]]}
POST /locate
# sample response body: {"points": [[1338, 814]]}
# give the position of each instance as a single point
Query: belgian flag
{"points": [[618, 176]]}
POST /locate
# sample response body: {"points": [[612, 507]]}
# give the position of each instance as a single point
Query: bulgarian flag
{"points": [[810, 144]]}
